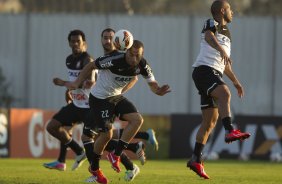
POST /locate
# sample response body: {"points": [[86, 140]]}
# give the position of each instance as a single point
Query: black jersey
{"points": [[74, 65], [115, 74]]}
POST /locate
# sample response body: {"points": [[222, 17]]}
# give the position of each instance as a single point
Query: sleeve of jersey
{"points": [[146, 71], [87, 60], [210, 25], [104, 63]]}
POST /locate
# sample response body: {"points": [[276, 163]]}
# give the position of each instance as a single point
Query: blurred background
{"points": [[34, 46]]}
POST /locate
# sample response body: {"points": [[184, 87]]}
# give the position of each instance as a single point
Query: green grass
{"points": [[30, 171]]}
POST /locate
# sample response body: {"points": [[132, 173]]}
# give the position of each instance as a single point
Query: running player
{"points": [[75, 111]]}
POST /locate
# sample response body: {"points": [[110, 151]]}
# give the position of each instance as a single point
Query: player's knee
{"points": [[53, 126], [138, 120], [107, 135]]}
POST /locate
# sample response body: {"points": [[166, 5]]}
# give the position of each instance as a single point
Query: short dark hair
{"points": [[137, 44], [107, 30], [76, 32], [216, 7]]}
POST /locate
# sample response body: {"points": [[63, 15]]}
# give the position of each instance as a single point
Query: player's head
{"points": [[135, 53], [221, 9], [77, 41], [106, 40]]}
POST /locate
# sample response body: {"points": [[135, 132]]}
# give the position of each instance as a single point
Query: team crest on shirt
{"points": [[137, 71], [78, 64]]}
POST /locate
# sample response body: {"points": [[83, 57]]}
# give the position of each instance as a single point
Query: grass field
{"points": [[31, 171]]}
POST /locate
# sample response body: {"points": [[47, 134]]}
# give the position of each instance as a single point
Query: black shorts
{"points": [[70, 114], [104, 111], [206, 79]]}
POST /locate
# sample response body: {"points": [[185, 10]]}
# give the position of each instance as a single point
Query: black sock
{"points": [[95, 163], [63, 153], [75, 147], [89, 147], [142, 135], [197, 153], [126, 161], [227, 124], [120, 133], [120, 147], [132, 147], [112, 144]]}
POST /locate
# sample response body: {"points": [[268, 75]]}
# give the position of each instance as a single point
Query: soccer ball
{"points": [[123, 40]]}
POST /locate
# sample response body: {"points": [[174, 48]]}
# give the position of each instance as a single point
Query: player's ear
{"points": [[222, 10]]}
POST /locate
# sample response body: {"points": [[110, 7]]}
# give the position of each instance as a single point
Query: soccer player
{"points": [[212, 62], [138, 148], [116, 70], [75, 111]]}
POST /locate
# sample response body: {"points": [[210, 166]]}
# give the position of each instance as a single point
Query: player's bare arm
{"points": [[68, 96], [129, 85], [212, 41], [85, 72], [59, 82], [90, 81], [155, 88], [231, 75]]}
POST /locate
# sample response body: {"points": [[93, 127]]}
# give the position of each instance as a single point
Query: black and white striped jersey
{"points": [[74, 65], [208, 55], [115, 74]]}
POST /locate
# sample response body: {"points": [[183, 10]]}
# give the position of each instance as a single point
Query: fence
{"points": [[33, 49]]}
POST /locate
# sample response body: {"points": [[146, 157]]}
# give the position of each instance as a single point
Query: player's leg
{"points": [[60, 163], [94, 168], [88, 137], [148, 135], [132, 170], [223, 96], [139, 149], [128, 113], [134, 122], [100, 117], [66, 117], [210, 116], [205, 79]]}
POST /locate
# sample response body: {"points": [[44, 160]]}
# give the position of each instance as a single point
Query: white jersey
{"points": [[74, 65], [115, 74], [208, 55]]}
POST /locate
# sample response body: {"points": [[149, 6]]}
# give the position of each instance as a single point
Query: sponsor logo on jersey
{"points": [[148, 70], [107, 64], [73, 74], [79, 96], [123, 79]]}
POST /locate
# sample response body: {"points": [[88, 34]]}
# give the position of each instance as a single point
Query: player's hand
{"points": [[163, 90], [87, 84], [225, 58], [240, 89], [59, 82]]}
